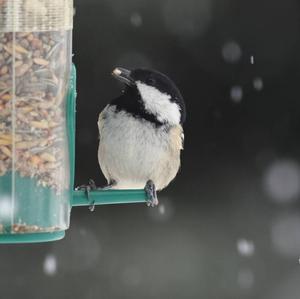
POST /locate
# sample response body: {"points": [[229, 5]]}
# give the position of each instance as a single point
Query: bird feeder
{"points": [[37, 124]]}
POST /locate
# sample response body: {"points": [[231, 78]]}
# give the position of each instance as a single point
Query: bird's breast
{"points": [[135, 150]]}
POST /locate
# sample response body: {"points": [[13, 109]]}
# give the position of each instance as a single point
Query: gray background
{"points": [[228, 227]]}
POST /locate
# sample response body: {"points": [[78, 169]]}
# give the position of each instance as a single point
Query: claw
{"points": [[92, 186], [151, 194], [87, 189]]}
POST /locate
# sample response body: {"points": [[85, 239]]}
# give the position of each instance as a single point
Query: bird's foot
{"points": [[91, 186], [150, 190], [87, 189]]}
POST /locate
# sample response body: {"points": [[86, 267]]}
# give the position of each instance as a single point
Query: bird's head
{"points": [[158, 93]]}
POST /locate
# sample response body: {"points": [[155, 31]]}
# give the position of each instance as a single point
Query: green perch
{"points": [[107, 197]]}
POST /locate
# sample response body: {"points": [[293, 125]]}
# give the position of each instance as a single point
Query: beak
{"points": [[123, 75]]}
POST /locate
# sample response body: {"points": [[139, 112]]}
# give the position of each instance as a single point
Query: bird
{"points": [[141, 132]]}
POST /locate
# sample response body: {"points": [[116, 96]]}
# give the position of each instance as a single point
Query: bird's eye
{"points": [[150, 81]]}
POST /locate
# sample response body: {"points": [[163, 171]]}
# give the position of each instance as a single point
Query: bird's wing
{"points": [[102, 150], [101, 119], [177, 137]]}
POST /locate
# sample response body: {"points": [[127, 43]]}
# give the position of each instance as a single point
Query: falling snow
{"points": [[50, 265]]}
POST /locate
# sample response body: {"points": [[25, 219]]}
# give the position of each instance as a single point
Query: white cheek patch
{"points": [[159, 103]]}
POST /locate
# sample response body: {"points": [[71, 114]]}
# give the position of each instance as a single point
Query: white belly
{"points": [[131, 152]]}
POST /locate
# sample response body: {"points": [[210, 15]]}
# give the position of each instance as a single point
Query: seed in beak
{"points": [[117, 72]]}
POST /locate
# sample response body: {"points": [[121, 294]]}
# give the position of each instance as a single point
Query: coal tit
{"points": [[141, 133]]}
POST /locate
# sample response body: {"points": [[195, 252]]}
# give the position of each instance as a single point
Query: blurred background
{"points": [[229, 225]]}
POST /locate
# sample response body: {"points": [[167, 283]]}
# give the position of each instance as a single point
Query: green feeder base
{"points": [[31, 238]]}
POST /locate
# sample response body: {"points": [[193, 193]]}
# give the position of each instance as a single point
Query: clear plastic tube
{"points": [[35, 63]]}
